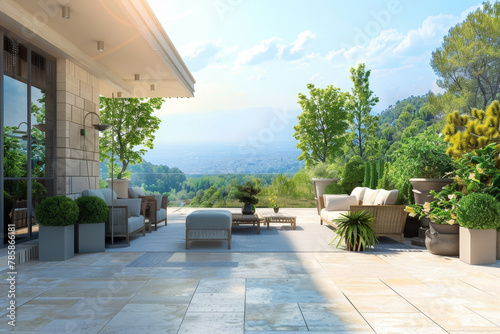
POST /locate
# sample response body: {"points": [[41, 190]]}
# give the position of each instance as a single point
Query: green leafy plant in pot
{"points": [[356, 230], [90, 230], [56, 217], [246, 194], [479, 217]]}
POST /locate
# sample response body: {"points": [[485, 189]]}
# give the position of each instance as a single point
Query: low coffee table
{"points": [[239, 219], [279, 218]]}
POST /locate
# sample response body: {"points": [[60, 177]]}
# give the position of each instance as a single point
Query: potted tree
{"points": [[246, 195], [89, 231], [479, 216], [133, 125], [355, 230], [56, 238]]}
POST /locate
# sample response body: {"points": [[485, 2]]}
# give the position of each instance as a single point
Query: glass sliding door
{"points": [[28, 132]]}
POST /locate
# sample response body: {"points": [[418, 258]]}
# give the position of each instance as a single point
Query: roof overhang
{"points": [[134, 43]]}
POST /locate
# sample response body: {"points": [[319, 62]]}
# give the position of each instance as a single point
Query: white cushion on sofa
{"points": [[359, 192], [386, 197], [339, 202], [331, 215], [370, 196]]}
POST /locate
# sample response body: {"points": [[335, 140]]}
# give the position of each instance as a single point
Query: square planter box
{"points": [[478, 246], [89, 238], [56, 243], [498, 245]]}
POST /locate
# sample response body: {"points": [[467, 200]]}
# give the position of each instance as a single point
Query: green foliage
{"points": [[157, 178], [479, 211], [103, 184], [423, 156], [38, 190], [384, 182], [57, 211], [92, 210], [246, 193], [334, 188], [468, 61], [133, 125], [353, 174], [362, 125], [322, 124], [356, 230]]}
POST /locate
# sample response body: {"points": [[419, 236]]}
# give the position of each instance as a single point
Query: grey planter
{"points": [[422, 188], [441, 239], [89, 238], [56, 243], [478, 246]]}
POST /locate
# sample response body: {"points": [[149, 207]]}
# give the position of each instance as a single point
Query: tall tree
{"points": [[468, 61], [133, 125], [322, 124], [363, 125]]}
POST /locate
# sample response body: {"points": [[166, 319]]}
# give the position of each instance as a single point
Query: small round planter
{"points": [[248, 209], [443, 239], [276, 210]]}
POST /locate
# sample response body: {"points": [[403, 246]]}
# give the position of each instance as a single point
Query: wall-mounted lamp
{"points": [[100, 127], [136, 77], [100, 45], [20, 131], [66, 12]]}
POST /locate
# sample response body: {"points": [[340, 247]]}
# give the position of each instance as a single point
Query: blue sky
{"points": [[251, 58]]}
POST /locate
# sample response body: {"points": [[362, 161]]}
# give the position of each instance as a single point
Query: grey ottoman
{"points": [[209, 225]]}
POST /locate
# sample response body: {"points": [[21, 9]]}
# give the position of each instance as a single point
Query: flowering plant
{"points": [[273, 201]]}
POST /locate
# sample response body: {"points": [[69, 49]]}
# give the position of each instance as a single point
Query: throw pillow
{"points": [[386, 197], [359, 192], [370, 196], [339, 202]]}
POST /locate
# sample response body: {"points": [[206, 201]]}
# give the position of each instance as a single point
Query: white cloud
{"points": [[199, 54], [313, 77], [296, 50], [260, 76], [265, 50]]}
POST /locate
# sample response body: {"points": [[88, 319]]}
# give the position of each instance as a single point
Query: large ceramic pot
{"points": [[443, 239], [120, 187], [422, 188]]}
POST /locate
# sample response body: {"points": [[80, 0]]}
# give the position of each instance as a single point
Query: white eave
{"points": [[134, 43]]}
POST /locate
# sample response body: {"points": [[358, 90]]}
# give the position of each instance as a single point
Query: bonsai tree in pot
{"points": [[355, 229], [246, 195], [90, 230], [479, 216], [56, 217]]}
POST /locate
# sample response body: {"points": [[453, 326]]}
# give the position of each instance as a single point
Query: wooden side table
{"points": [[255, 219], [279, 218]]}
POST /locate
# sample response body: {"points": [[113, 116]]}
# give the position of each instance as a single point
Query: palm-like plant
{"points": [[355, 228]]}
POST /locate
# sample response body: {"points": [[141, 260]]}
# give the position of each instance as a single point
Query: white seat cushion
{"points": [[339, 202], [331, 215], [370, 196]]}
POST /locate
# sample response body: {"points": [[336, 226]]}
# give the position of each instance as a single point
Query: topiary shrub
{"points": [[478, 211], [334, 188], [57, 211], [92, 210]]}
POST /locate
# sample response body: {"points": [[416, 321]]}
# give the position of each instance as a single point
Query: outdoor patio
{"points": [[281, 280]]}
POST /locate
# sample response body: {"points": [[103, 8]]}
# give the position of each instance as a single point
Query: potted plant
{"points": [[89, 231], [421, 164], [479, 216], [355, 229], [133, 125], [56, 238], [246, 195], [273, 202]]}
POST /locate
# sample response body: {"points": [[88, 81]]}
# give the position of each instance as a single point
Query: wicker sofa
{"points": [[389, 218], [127, 219]]}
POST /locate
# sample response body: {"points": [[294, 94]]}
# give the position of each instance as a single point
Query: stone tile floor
{"points": [[287, 292]]}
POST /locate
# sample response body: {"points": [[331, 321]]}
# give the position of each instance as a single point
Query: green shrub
{"points": [[334, 188], [92, 210], [355, 228], [354, 172], [57, 211], [478, 211]]}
